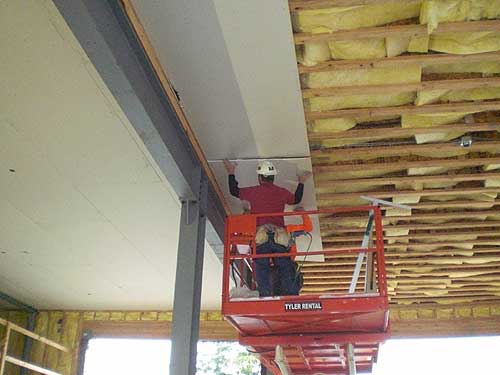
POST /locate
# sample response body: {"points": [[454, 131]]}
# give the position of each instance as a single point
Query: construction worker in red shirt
{"points": [[271, 236]]}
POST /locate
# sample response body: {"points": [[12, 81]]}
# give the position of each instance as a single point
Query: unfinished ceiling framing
{"points": [[390, 88]]}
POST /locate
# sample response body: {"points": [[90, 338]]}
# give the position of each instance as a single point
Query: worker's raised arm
{"points": [[299, 191], [233, 183]]}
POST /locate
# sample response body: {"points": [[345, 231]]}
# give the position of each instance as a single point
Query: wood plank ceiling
{"points": [[398, 135]]}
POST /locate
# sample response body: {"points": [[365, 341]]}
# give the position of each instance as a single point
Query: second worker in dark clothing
{"points": [[271, 234]]}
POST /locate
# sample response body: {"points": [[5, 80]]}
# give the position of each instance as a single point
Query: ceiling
{"points": [[87, 220], [389, 90]]}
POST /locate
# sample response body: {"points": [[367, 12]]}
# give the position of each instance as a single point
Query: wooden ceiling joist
{"points": [[398, 132], [351, 153], [424, 192], [322, 4], [443, 215], [492, 242], [406, 164], [481, 106], [395, 88], [399, 61], [389, 180], [332, 239], [419, 227], [412, 30]]}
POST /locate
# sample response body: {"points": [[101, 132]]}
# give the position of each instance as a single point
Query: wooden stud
{"points": [[423, 193], [406, 109], [390, 180], [28, 333], [30, 366], [4, 350], [400, 61], [408, 31], [406, 164], [331, 239], [395, 88], [375, 133], [395, 150], [322, 4]]}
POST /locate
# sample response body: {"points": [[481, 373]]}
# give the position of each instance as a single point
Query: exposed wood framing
{"points": [[422, 193], [351, 153], [321, 4], [406, 109], [448, 84], [398, 132], [418, 227], [447, 234], [398, 30], [447, 249], [389, 180], [400, 61]]}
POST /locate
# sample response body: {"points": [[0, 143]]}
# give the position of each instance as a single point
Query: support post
{"points": [[28, 342], [188, 280], [361, 256], [5, 350], [351, 360], [82, 351]]}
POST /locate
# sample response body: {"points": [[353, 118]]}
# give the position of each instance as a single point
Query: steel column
{"points": [[188, 280]]}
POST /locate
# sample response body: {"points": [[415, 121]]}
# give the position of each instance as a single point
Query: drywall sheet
{"points": [[234, 69], [288, 169]]}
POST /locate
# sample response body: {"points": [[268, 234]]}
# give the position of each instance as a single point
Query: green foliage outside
{"points": [[225, 358]]}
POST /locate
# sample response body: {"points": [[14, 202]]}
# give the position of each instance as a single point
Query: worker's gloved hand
{"points": [[230, 167], [304, 176]]}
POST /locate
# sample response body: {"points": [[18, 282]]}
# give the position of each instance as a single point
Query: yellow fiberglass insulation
{"points": [[346, 18], [428, 121], [357, 49], [332, 125], [465, 43], [433, 96], [359, 101], [315, 52], [435, 11], [491, 167], [487, 67], [362, 77]]}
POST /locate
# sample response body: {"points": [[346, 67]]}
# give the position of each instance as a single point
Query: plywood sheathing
{"points": [[389, 89]]}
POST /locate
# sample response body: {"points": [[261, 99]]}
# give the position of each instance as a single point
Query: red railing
{"points": [[241, 230]]}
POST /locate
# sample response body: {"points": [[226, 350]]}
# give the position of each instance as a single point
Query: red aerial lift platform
{"points": [[323, 333]]}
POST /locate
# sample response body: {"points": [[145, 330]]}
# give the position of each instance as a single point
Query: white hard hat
{"points": [[266, 168]]}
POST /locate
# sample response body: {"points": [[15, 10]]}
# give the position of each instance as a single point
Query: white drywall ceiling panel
{"points": [[87, 221], [233, 65]]}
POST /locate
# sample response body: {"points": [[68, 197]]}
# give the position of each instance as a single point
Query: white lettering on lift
{"points": [[303, 306]]}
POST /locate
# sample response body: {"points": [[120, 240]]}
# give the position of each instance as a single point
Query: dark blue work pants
{"points": [[286, 270]]}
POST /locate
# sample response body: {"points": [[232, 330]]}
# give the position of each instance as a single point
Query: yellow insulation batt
{"points": [[346, 18], [358, 101], [362, 77], [429, 12], [486, 67], [465, 43], [435, 11], [429, 120]]}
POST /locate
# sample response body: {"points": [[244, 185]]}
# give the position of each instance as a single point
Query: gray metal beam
{"points": [[108, 39], [188, 281], [17, 304]]}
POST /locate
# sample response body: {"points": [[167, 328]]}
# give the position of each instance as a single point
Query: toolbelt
{"points": [[270, 231]]}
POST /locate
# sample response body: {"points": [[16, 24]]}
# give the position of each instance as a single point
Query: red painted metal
{"points": [[312, 328]]}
